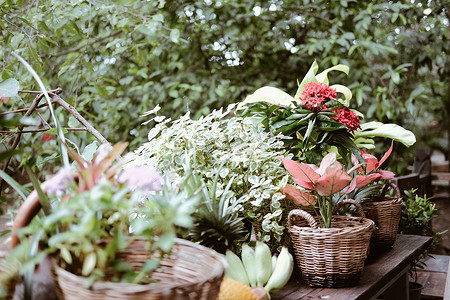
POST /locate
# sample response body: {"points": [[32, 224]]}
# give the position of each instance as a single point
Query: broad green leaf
{"points": [[89, 151], [309, 77], [16, 39], [322, 77], [55, 131], [175, 36], [9, 88], [343, 90], [17, 187], [166, 241], [65, 254], [268, 94], [392, 131], [89, 264]]}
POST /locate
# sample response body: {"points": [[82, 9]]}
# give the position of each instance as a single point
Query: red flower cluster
{"points": [[48, 137], [316, 94], [348, 118]]}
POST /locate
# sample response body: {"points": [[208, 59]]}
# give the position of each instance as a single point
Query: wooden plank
{"points": [[444, 176], [433, 284], [447, 285], [436, 263], [377, 276]]}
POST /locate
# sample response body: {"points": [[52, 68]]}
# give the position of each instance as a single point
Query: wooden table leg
{"points": [[399, 288]]}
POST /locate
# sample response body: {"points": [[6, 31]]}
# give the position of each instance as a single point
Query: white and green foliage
{"points": [[237, 148]]}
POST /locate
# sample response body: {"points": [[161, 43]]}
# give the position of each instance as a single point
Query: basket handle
{"points": [[394, 187], [27, 210], [359, 208], [303, 214]]}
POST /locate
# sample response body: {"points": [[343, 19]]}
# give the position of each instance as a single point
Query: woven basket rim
{"points": [[132, 288], [365, 224], [386, 200]]}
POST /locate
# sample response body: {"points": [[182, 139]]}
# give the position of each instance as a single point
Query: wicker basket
{"points": [[385, 212], [191, 272], [330, 257]]}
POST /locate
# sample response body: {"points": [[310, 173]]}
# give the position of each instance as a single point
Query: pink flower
{"points": [[348, 118], [372, 172], [6, 99], [59, 182], [326, 180], [145, 178]]}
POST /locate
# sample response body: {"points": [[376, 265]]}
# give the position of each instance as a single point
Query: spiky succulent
{"points": [[217, 224]]}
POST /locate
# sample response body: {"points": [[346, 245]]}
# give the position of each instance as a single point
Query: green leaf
{"points": [[175, 36], [16, 40], [89, 151], [323, 78], [89, 264], [65, 254], [64, 154], [395, 77], [43, 199], [150, 265], [270, 95], [392, 131], [343, 90], [309, 77], [14, 184], [9, 88], [166, 241], [88, 65], [55, 131]]}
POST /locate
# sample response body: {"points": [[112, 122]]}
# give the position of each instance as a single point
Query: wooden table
{"points": [[386, 273]]}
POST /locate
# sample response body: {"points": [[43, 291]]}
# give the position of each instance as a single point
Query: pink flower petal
{"points": [[371, 161], [386, 155], [327, 161], [364, 180], [386, 174], [304, 184], [333, 181], [300, 171], [297, 196], [350, 188]]}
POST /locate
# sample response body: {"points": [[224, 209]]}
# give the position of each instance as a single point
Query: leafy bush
{"points": [[236, 148]]}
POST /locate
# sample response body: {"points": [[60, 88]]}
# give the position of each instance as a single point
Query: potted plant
{"points": [[383, 209], [323, 244], [318, 119], [113, 233], [416, 217]]}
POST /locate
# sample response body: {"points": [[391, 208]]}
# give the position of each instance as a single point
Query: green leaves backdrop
{"points": [[115, 60]]}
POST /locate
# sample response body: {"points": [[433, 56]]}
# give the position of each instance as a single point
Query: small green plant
{"points": [[417, 214]]}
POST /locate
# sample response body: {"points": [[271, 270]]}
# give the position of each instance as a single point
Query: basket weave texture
{"points": [[191, 272], [330, 257], [386, 213]]}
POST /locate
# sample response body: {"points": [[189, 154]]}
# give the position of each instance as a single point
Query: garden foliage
{"points": [[117, 59]]}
